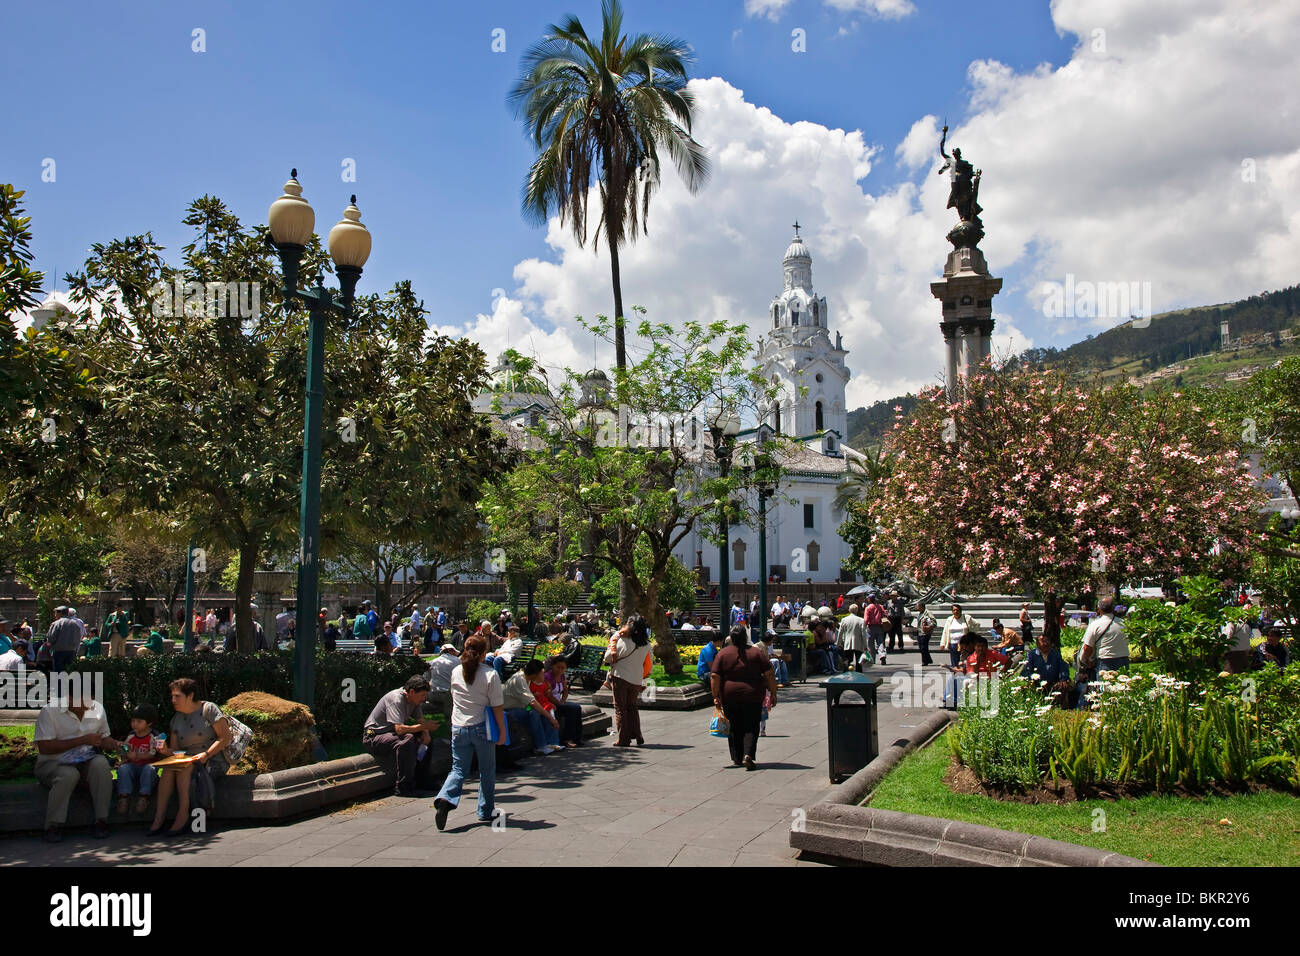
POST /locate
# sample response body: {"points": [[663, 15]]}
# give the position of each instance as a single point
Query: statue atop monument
{"points": [[963, 195]]}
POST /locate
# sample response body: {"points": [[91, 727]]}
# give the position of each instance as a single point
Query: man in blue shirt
{"points": [[704, 669], [372, 617], [1044, 662]]}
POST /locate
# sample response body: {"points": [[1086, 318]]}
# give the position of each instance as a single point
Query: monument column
{"points": [[967, 289]]}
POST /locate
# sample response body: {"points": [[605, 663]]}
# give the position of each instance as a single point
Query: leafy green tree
{"points": [[59, 557], [598, 111], [197, 409], [676, 592], [644, 474]]}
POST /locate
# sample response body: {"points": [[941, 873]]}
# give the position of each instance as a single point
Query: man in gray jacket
{"points": [[853, 638], [63, 639]]}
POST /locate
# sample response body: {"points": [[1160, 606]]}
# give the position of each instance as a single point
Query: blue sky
{"points": [[139, 124]]}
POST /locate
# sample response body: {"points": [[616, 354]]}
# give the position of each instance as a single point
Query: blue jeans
{"points": [[780, 671], [498, 664], [544, 735], [130, 775], [465, 743]]}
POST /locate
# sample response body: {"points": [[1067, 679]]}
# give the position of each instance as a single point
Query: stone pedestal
{"points": [[268, 586], [966, 292]]}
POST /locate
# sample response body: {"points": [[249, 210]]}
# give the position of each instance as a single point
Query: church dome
{"points": [[797, 250], [509, 377]]}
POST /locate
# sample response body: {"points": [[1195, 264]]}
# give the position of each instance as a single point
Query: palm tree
{"points": [[599, 111], [862, 477]]}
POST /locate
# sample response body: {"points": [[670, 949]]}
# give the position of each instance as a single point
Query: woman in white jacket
{"points": [[954, 628], [626, 660]]}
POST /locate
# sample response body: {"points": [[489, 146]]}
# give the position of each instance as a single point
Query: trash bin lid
{"points": [[851, 678]]}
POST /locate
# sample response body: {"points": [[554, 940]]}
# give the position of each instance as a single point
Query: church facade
{"points": [[798, 356]]}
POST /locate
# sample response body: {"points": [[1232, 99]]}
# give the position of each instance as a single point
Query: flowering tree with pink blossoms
{"points": [[1031, 482]]}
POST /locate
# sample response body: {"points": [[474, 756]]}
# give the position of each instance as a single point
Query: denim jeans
{"points": [[781, 671], [130, 775], [465, 743], [498, 664], [876, 643], [544, 735]]}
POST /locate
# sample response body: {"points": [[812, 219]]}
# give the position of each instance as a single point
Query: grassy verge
{"points": [[1175, 831]]}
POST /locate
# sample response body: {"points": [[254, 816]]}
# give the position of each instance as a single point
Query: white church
{"points": [[803, 540], [798, 356]]}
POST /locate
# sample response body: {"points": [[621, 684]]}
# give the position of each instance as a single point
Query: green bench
{"points": [[589, 670]]}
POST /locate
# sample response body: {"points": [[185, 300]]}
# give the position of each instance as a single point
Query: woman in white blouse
{"points": [[476, 699], [627, 660], [954, 628]]}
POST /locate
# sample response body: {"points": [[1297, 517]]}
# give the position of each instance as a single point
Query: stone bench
{"points": [[265, 796]]}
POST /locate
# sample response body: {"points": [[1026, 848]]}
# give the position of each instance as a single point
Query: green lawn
{"points": [[1174, 831], [19, 730]]}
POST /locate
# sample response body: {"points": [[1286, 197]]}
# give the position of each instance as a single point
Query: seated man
{"points": [[780, 669], [1044, 662], [704, 666], [382, 646], [1272, 650], [523, 705], [15, 659], [503, 655], [439, 676], [397, 726], [67, 735], [824, 653]]}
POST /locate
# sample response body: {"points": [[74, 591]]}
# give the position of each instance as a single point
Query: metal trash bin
{"points": [[852, 727]]}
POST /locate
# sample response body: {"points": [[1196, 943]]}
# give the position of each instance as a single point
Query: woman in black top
{"points": [[741, 674]]}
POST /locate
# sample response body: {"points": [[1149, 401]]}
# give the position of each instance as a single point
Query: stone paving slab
{"points": [[675, 802]]}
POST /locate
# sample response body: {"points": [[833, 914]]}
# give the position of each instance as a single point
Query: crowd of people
{"points": [[474, 683]]}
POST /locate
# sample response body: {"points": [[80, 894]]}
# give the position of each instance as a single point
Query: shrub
{"points": [[282, 732], [1186, 640], [347, 685], [556, 592], [481, 609], [17, 757]]}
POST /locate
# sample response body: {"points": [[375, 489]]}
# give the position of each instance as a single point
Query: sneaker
{"points": [[142, 804], [749, 764], [883, 659], [440, 818], [123, 803]]}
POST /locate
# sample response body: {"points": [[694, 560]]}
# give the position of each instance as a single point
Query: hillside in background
{"points": [[867, 426], [1182, 347]]}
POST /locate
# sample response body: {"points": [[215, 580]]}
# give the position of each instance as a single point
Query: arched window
{"points": [[818, 412], [776, 316], [816, 314], [776, 425], [794, 314]]}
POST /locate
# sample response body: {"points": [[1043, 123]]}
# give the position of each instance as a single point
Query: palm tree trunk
{"points": [[620, 346]]}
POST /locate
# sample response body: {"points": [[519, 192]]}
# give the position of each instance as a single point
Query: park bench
{"points": [[589, 670], [526, 654]]}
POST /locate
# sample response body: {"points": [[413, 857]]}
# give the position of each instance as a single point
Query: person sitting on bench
{"points": [[397, 726]]}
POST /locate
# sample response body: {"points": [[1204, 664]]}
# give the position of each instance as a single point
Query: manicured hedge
{"points": [[347, 685]]}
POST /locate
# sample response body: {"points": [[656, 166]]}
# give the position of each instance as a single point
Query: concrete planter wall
{"points": [[839, 829], [688, 697]]}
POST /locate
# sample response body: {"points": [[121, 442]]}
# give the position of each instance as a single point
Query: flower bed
{"points": [[1147, 731]]}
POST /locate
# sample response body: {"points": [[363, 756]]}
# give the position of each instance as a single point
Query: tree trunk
{"points": [[1051, 617], [645, 601], [245, 636], [620, 342]]}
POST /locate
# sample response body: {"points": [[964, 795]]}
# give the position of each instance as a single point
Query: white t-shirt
{"points": [[1240, 632], [1106, 636], [688, 626], [59, 723], [631, 661], [469, 702], [11, 660]]}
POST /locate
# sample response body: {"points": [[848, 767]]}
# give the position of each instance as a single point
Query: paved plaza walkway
{"points": [[675, 802]]}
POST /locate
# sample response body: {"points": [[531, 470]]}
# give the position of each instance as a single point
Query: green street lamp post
{"points": [[724, 426], [762, 471], [292, 221]]}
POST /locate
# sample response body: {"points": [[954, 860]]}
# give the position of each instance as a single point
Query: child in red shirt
{"points": [[142, 748]]}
